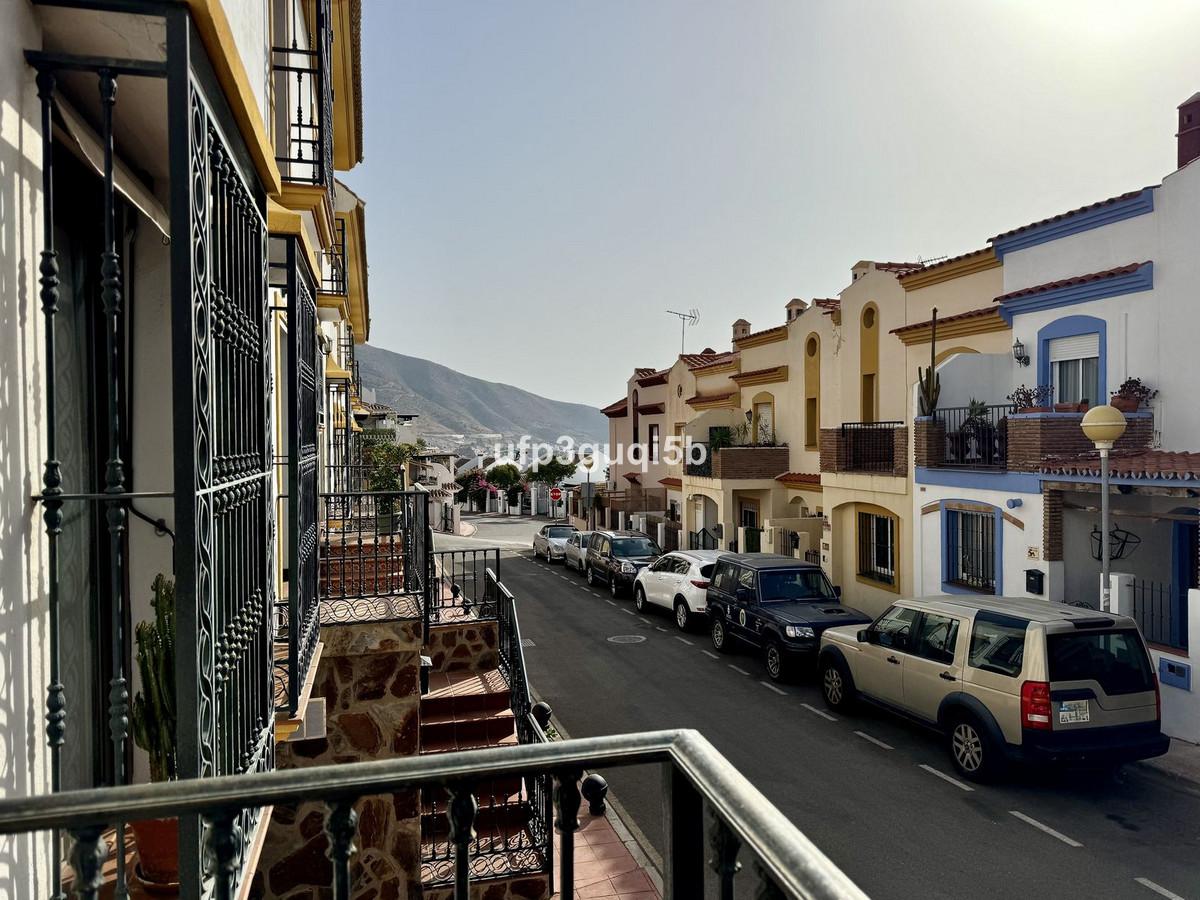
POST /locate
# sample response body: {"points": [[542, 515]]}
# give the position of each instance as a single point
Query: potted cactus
{"points": [[154, 719]]}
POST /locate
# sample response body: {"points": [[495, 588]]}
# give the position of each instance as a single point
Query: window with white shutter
{"points": [[1075, 368]]}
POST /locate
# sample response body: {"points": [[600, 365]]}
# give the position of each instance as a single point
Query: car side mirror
{"points": [[743, 595], [837, 591], [864, 635]]}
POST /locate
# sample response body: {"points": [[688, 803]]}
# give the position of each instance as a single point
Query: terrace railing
{"points": [[374, 562], [710, 813], [458, 585], [975, 437], [301, 81], [1161, 613], [869, 446], [703, 468]]}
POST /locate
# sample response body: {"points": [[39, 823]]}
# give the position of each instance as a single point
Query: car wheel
{"points": [[683, 615], [836, 688], [720, 636], [613, 587], [639, 598], [972, 751], [775, 662], [591, 576]]}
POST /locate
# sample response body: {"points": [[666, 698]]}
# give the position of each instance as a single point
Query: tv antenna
{"points": [[691, 317]]}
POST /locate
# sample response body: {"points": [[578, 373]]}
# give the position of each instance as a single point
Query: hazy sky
{"points": [[543, 179]]}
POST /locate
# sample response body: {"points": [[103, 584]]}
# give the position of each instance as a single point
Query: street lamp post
{"points": [[1103, 426], [588, 462]]}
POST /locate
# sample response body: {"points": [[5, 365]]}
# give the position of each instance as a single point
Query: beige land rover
{"points": [[1004, 679]]}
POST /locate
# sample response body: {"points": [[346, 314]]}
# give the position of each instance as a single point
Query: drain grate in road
{"points": [[626, 638], [527, 642]]}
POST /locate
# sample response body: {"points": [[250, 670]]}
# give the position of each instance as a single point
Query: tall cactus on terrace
{"points": [[929, 382], [154, 714]]}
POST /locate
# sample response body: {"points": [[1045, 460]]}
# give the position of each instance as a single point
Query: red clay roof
{"points": [[799, 478], [719, 360], [1070, 282], [710, 398], [1168, 464], [929, 267], [957, 317], [691, 360], [829, 306], [643, 371], [898, 268], [764, 331], [659, 377], [651, 409], [615, 410], [1129, 195], [671, 482]]}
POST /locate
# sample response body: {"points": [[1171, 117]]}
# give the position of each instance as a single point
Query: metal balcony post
{"points": [[683, 828]]}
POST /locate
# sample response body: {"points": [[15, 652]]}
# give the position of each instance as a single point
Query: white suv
{"points": [[679, 581], [1004, 680]]}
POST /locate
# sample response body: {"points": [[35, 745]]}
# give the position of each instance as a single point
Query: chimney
{"points": [[1188, 137], [741, 328]]}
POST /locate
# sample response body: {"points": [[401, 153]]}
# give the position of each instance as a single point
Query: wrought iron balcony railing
{"points": [[702, 468], [711, 812], [868, 446], [459, 586], [333, 278], [976, 437], [300, 68]]}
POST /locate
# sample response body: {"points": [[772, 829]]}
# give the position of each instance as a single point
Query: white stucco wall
{"points": [[24, 759], [249, 21]]}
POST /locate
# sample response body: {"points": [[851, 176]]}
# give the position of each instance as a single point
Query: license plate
{"points": [[1072, 711]]}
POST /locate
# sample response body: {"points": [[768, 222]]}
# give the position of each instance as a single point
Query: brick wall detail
{"points": [[750, 462], [1034, 438]]}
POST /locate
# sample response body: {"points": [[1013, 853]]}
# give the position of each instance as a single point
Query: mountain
{"points": [[457, 409]]}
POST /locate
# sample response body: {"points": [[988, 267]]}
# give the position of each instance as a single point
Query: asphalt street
{"points": [[877, 794]]}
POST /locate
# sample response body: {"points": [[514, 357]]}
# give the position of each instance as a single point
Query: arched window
{"points": [[812, 391], [636, 428], [868, 362]]}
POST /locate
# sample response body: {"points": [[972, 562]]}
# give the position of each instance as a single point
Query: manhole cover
{"points": [[626, 638]]}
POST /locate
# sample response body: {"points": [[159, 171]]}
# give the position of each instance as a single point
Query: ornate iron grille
{"points": [[300, 71], [333, 278], [976, 436], [297, 639], [971, 550]]}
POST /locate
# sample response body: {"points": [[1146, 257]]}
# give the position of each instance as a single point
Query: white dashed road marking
{"points": [[1158, 889], [628, 612], [961, 785], [1029, 820], [594, 594], [819, 712], [685, 640], [710, 654], [609, 602], [771, 687], [739, 671], [874, 740]]}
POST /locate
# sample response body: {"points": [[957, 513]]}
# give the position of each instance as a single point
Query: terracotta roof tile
{"points": [[643, 371], [929, 267], [898, 268], [616, 409], [720, 360], [1129, 195], [671, 482], [1070, 282], [1136, 464], [799, 478], [764, 331], [653, 378], [983, 312]]}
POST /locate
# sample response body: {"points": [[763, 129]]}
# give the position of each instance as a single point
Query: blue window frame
{"points": [[972, 548], [1074, 379]]}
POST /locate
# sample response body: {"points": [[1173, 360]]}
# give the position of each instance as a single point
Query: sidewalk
{"points": [[604, 867], [1181, 764]]}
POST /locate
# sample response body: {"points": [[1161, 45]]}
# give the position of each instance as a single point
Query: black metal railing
{"points": [[704, 539], [753, 540], [515, 834], [975, 436], [707, 806], [459, 587], [812, 556], [703, 467], [374, 561], [300, 68], [868, 446], [333, 276], [1161, 613]]}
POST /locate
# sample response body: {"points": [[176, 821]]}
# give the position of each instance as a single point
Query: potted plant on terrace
{"points": [[154, 720], [1132, 395], [1031, 399]]}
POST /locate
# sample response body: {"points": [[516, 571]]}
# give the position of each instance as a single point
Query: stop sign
{"points": [[555, 494]]}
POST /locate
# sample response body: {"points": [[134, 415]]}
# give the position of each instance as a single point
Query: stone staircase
{"points": [[472, 711]]}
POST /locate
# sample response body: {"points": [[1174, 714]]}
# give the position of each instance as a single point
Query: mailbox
{"points": [[1035, 581]]}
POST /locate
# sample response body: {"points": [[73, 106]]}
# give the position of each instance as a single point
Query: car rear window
{"points": [[560, 531], [1116, 659], [706, 571], [998, 644]]}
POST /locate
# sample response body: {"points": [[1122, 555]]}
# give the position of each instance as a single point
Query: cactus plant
{"points": [[154, 714], [929, 382]]}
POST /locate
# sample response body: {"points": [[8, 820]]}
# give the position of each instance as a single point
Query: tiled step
{"points": [[496, 820], [465, 693], [489, 727]]}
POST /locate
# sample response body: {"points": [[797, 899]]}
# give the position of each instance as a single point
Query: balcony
{"points": [[974, 437], [740, 463], [865, 447], [300, 67]]}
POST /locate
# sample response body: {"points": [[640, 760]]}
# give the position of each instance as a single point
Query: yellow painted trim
{"points": [[356, 273], [962, 328], [334, 301], [284, 221], [931, 507], [868, 363], [315, 200], [951, 351], [813, 488], [771, 376], [812, 392], [769, 336], [346, 75], [897, 555], [733, 365], [334, 372], [217, 36], [980, 261], [733, 401]]}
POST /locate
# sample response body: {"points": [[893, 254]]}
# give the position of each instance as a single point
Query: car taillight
{"points": [[1035, 705], [699, 584]]}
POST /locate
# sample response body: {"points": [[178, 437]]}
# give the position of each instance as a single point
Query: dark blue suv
{"points": [[776, 604]]}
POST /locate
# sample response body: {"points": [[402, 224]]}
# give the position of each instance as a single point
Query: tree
{"points": [[505, 477], [552, 472]]}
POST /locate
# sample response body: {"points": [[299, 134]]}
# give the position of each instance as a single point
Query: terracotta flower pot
{"points": [[1070, 407], [1025, 410], [1124, 404], [158, 851]]}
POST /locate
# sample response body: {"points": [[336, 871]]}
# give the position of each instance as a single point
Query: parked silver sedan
{"points": [[576, 550], [551, 541]]}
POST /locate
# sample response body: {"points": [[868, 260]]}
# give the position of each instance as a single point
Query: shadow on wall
{"points": [[23, 755]]}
